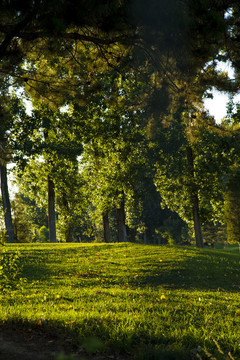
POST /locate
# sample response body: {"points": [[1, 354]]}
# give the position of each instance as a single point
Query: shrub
{"points": [[10, 270]]}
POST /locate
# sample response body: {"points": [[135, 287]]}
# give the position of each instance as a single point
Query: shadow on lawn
{"points": [[90, 339], [201, 270]]}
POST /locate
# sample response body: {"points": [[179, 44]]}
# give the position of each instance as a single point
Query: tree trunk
{"points": [[106, 228], [51, 211], [195, 201], [197, 222], [68, 227], [145, 238], [6, 204], [121, 225], [68, 235]]}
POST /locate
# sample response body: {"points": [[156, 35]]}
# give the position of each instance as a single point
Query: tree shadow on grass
{"points": [[36, 272], [91, 339], [202, 270], [23, 340], [42, 264]]}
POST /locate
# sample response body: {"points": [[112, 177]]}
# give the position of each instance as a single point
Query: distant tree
{"points": [[6, 203], [23, 230], [191, 174], [232, 206], [29, 142], [47, 151], [5, 156], [43, 234], [231, 190], [106, 228], [113, 161], [28, 217]]}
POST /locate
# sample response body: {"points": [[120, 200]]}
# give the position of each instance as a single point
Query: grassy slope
{"points": [[130, 296]]}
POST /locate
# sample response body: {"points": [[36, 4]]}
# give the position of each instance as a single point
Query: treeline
{"points": [[117, 145]]}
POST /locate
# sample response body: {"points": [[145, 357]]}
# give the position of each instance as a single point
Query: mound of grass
{"points": [[152, 302]]}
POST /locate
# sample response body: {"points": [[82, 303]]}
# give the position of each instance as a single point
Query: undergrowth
{"points": [[11, 267]]}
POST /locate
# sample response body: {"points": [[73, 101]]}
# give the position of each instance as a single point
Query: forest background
{"points": [[118, 145]]}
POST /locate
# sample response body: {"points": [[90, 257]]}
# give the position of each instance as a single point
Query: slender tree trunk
{"points": [[195, 202], [106, 228], [121, 225], [197, 222], [51, 204], [145, 238], [6, 204], [68, 228], [51, 211], [68, 235]]}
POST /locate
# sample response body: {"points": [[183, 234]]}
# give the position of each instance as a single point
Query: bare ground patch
{"points": [[18, 344]]}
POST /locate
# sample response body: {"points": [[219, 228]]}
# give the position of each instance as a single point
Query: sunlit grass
{"points": [[129, 296]]}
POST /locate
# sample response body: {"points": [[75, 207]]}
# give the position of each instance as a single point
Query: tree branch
{"points": [[15, 31]]}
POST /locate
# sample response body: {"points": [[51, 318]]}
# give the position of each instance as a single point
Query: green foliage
{"points": [[115, 94], [232, 206], [28, 216], [175, 231], [116, 160], [43, 234], [112, 92], [174, 175], [11, 266], [3, 237]]}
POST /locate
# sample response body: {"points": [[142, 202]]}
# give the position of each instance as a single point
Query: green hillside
{"points": [[139, 301]]}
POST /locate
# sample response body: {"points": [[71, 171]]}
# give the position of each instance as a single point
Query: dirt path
{"points": [[19, 345]]}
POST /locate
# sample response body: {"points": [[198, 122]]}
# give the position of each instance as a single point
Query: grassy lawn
{"points": [[150, 302]]}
